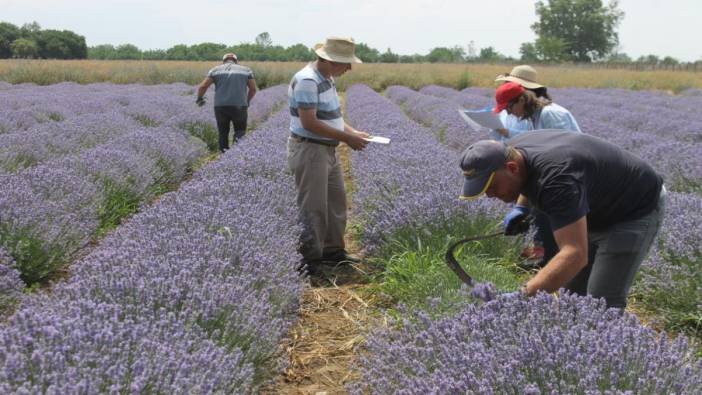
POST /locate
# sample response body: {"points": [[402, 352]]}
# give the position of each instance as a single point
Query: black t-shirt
{"points": [[570, 175]]}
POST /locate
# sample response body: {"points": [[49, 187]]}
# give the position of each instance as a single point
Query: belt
{"points": [[314, 141]]}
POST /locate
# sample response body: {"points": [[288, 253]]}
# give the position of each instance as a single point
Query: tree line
{"points": [[30, 41], [578, 31]]}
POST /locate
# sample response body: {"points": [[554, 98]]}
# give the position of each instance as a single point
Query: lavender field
{"points": [[179, 275]]}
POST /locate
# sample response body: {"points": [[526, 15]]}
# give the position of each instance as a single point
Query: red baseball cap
{"points": [[506, 93]]}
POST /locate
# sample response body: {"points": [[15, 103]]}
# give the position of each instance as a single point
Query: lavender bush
{"points": [[191, 295], [540, 345], [412, 183], [95, 170]]}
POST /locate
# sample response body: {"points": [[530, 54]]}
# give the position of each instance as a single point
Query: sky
{"points": [[663, 28]]}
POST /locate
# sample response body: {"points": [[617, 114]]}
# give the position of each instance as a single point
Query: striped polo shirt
{"points": [[310, 89], [231, 84]]}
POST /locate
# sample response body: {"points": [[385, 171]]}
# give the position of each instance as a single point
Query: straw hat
{"points": [[524, 75], [338, 49]]}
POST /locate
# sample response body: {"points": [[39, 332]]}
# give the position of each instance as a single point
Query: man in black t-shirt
{"points": [[604, 204]]}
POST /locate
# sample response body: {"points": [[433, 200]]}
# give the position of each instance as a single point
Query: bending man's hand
{"points": [[516, 221]]}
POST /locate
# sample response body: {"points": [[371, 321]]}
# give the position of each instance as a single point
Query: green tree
{"points": [[586, 28], [128, 51], [648, 59], [102, 51], [528, 53], [389, 57], [366, 53], [207, 51], [24, 48], [8, 34], [552, 49], [153, 54], [488, 54], [177, 52], [299, 53], [446, 55], [670, 61], [264, 40]]}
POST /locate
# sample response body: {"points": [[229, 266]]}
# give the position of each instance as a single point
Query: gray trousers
{"points": [[615, 255], [321, 197]]}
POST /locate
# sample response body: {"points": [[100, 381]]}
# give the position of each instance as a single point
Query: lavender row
{"points": [[441, 116], [111, 112], [190, 296], [652, 128], [50, 211], [540, 345], [411, 183], [414, 360]]}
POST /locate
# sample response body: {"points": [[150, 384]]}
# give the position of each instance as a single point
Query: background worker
{"points": [[235, 86], [540, 113], [525, 76], [316, 129], [604, 204]]}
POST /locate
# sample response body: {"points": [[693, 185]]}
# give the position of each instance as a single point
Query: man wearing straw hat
{"points": [[316, 129]]}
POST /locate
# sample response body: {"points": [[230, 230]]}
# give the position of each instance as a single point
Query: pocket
{"points": [[624, 242]]}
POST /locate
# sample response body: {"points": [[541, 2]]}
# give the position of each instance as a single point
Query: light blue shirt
{"points": [[309, 89], [513, 124], [554, 116]]}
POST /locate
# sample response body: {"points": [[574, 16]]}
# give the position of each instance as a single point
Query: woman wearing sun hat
{"points": [[524, 105], [524, 75]]}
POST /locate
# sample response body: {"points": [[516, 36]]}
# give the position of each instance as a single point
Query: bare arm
{"points": [[570, 260], [203, 86], [308, 118], [252, 90]]}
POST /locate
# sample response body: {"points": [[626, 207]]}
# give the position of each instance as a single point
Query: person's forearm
{"points": [[562, 268], [252, 93], [201, 91], [324, 130]]}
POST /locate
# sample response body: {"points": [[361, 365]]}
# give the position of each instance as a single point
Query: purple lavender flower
{"points": [[568, 344]]}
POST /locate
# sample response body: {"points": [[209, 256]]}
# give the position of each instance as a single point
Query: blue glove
{"points": [[200, 101], [516, 221]]}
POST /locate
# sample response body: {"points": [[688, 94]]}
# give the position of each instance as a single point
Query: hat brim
{"points": [[522, 82], [474, 187], [334, 57]]}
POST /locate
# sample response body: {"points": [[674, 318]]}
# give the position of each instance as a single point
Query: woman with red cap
{"points": [[525, 105]]}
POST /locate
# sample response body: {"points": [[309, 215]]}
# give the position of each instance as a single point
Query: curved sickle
{"points": [[453, 263]]}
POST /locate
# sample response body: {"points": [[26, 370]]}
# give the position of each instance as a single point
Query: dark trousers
{"points": [[615, 255], [544, 236], [225, 115]]}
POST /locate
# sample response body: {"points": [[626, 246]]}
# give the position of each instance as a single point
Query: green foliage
{"points": [[119, 202], [205, 132], [677, 300], [582, 30], [415, 270], [446, 55], [24, 48], [8, 34], [36, 259]]}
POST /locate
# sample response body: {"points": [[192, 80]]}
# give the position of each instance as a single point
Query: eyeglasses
{"points": [[510, 105]]}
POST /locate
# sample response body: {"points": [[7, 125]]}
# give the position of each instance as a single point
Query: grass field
{"points": [[378, 76]]}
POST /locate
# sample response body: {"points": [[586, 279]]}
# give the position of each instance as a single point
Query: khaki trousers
{"points": [[321, 197]]}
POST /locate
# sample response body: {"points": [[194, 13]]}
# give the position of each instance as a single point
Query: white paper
{"points": [[378, 139], [486, 119]]}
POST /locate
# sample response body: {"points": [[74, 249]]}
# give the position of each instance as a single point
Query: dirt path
{"points": [[338, 309]]}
